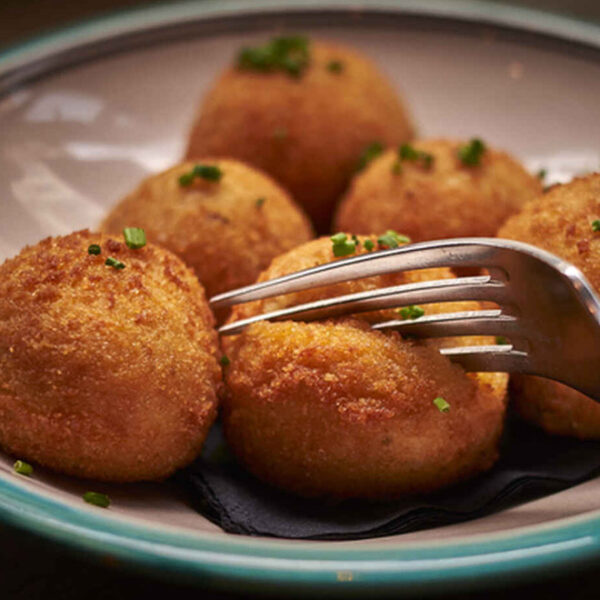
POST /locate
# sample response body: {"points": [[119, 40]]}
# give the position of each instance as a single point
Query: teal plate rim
{"points": [[237, 562]]}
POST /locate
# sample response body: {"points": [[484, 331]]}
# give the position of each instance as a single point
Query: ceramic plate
{"points": [[87, 112]]}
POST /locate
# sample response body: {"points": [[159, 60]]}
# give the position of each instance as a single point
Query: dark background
{"points": [[32, 568]]}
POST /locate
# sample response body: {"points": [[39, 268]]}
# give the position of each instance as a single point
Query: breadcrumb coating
{"points": [[336, 409], [447, 200], [105, 373], [307, 132], [560, 222]]}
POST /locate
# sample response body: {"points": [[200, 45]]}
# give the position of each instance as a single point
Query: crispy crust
{"points": [[560, 221], [104, 373], [307, 133], [447, 200], [337, 409], [215, 227]]}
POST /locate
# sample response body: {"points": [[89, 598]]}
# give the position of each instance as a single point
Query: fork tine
{"points": [[472, 322], [489, 358], [464, 252], [441, 290]]}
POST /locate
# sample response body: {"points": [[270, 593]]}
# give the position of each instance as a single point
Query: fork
{"points": [[549, 311]]}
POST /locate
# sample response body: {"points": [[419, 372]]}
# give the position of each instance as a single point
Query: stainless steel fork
{"points": [[549, 312]]}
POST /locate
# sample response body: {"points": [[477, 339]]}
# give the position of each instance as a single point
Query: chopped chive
{"points": [[259, 202], [224, 360], [397, 167], [411, 312], [94, 249], [135, 237], [335, 66], [407, 152], [392, 239], [410, 153], [441, 404], [22, 468], [541, 174], [208, 172], [114, 263], [369, 245], [471, 153], [596, 225], [186, 179], [368, 154], [501, 340], [97, 499], [342, 246], [289, 54]]}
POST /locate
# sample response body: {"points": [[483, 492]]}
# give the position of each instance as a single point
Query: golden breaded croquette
{"points": [[561, 222], [438, 197], [227, 228], [307, 129], [336, 409], [107, 371]]}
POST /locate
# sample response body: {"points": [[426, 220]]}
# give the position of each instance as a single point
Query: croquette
{"points": [[561, 222], [108, 359], [227, 225], [428, 192], [306, 129], [337, 409]]}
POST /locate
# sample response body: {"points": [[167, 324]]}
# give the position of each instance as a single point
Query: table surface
{"points": [[32, 568]]}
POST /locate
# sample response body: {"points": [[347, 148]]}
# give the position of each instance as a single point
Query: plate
{"points": [[86, 112]]}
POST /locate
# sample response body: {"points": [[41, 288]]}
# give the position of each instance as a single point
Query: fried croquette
{"points": [[306, 129], [227, 227], [108, 359], [428, 192], [561, 222], [337, 409]]}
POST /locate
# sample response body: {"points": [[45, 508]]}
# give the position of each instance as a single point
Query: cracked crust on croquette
{"points": [[447, 200], [560, 222], [337, 409], [105, 373]]}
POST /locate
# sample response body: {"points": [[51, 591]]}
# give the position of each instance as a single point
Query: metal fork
{"points": [[549, 311]]}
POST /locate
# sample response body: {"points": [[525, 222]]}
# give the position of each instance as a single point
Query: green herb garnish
{"points": [[224, 360], [369, 245], [371, 152], [342, 246], [470, 154], [397, 167], [259, 202], [208, 172], [94, 249], [541, 174], [289, 54], [335, 66], [411, 312], [22, 468], [411, 154], [392, 239], [135, 237], [441, 404], [97, 499], [596, 225], [114, 263], [501, 340]]}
